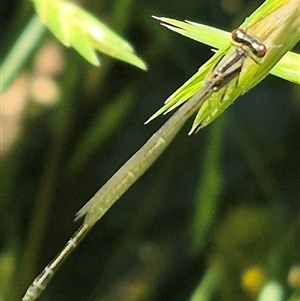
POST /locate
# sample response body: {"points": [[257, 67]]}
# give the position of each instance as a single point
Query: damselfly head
{"points": [[240, 36]]}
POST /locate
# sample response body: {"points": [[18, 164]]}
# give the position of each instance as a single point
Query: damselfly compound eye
{"points": [[258, 49], [239, 35]]}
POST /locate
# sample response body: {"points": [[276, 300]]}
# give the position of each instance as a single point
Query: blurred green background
{"points": [[215, 218]]}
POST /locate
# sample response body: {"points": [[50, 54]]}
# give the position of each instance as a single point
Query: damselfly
{"points": [[225, 70], [257, 51]]}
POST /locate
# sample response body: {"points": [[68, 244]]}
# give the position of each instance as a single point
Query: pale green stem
{"points": [[21, 51]]}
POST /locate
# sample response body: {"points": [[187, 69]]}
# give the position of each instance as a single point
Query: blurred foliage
{"points": [[74, 26], [247, 162]]}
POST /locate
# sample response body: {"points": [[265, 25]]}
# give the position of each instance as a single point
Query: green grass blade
{"points": [[21, 51], [217, 38]]}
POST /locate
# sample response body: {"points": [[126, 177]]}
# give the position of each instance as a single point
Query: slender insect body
{"points": [[42, 280], [120, 182], [226, 70]]}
